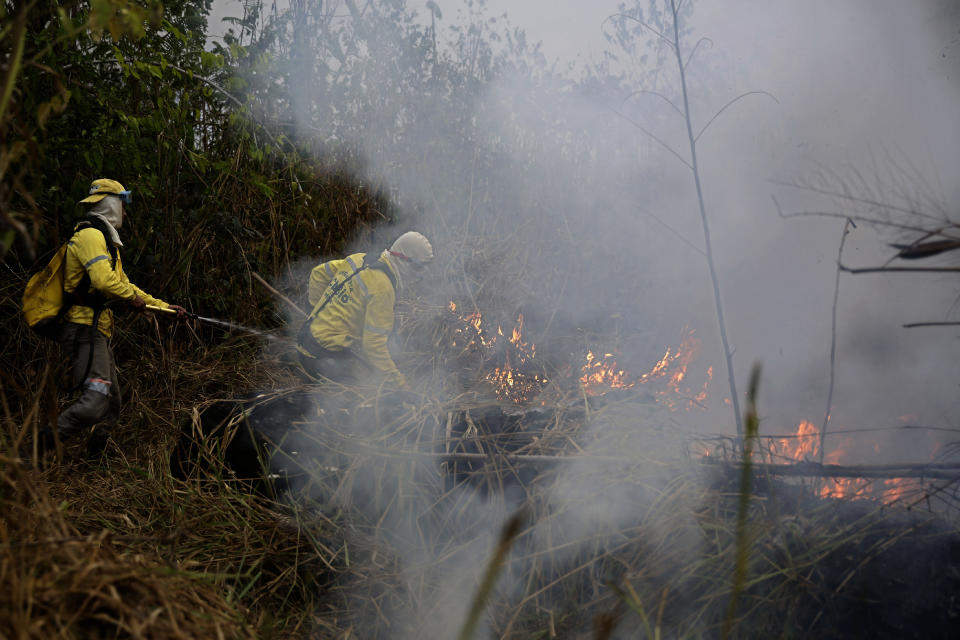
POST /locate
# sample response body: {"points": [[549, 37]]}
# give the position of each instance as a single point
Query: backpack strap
{"points": [[372, 261]]}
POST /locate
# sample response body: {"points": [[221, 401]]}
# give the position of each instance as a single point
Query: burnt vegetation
{"points": [[234, 501]]}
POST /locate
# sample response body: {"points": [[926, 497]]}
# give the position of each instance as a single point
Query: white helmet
{"points": [[414, 247]]}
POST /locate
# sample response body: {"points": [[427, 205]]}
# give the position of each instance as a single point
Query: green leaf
{"points": [[6, 239], [262, 186], [211, 60]]}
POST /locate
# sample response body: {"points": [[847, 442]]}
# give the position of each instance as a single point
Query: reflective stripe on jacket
{"points": [[87, 253], [362, 312]]}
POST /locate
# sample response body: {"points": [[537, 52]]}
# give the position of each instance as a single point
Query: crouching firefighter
{"points": [[345, 336], [93, 277]]}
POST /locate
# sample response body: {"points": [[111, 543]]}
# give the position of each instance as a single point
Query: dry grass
{"points": [[65, 576]]}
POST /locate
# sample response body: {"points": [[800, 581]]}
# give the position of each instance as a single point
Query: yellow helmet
{"points": [[100, 189]]}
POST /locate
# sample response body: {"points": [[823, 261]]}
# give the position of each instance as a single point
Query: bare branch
{"points": [[641, 23], [729, 104], [923, 249], [931, 324], [859, 200], [694, 50], [676, 233], [293, 305], [658, 140], [901, 269], [657, 94], [905, 250], [834, 214]]}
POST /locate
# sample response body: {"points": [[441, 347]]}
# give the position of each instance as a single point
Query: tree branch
{"points": [[859, 200], [658, 140], [834, 214], [643, 24], [657, 94], [694, 50], [901, 269], [931, 324], [729, 104]]}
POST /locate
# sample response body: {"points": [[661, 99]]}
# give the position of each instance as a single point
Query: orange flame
{"points": [[600, 375], [804, 446], [508, 382]]}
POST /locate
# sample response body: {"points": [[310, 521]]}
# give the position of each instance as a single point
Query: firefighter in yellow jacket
{"points": [[351, 301], [94, 278]]}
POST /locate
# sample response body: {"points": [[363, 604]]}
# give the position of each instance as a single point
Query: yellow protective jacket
{"points": [[87, 253], [360, 318]]}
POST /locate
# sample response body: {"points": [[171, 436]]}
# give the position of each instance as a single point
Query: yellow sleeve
{"points": [[378, 325], [320, 279], [90, 250]]}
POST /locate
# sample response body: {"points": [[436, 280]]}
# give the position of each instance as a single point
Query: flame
{"points": [[471, 333], [702, 396], [848, 488], [599, 374], [896, 489], [511, 380], [674, 367], [804, 446], [511, 383]]}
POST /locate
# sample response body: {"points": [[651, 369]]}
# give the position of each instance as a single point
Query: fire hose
{"points": [[221, 323]]}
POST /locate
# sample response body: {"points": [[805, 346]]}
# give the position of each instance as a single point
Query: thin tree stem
{"points": [[728, 355], [833, 339]]}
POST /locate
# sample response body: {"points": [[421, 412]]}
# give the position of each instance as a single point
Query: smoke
{"points": [[547, 193], [864, 97]]}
